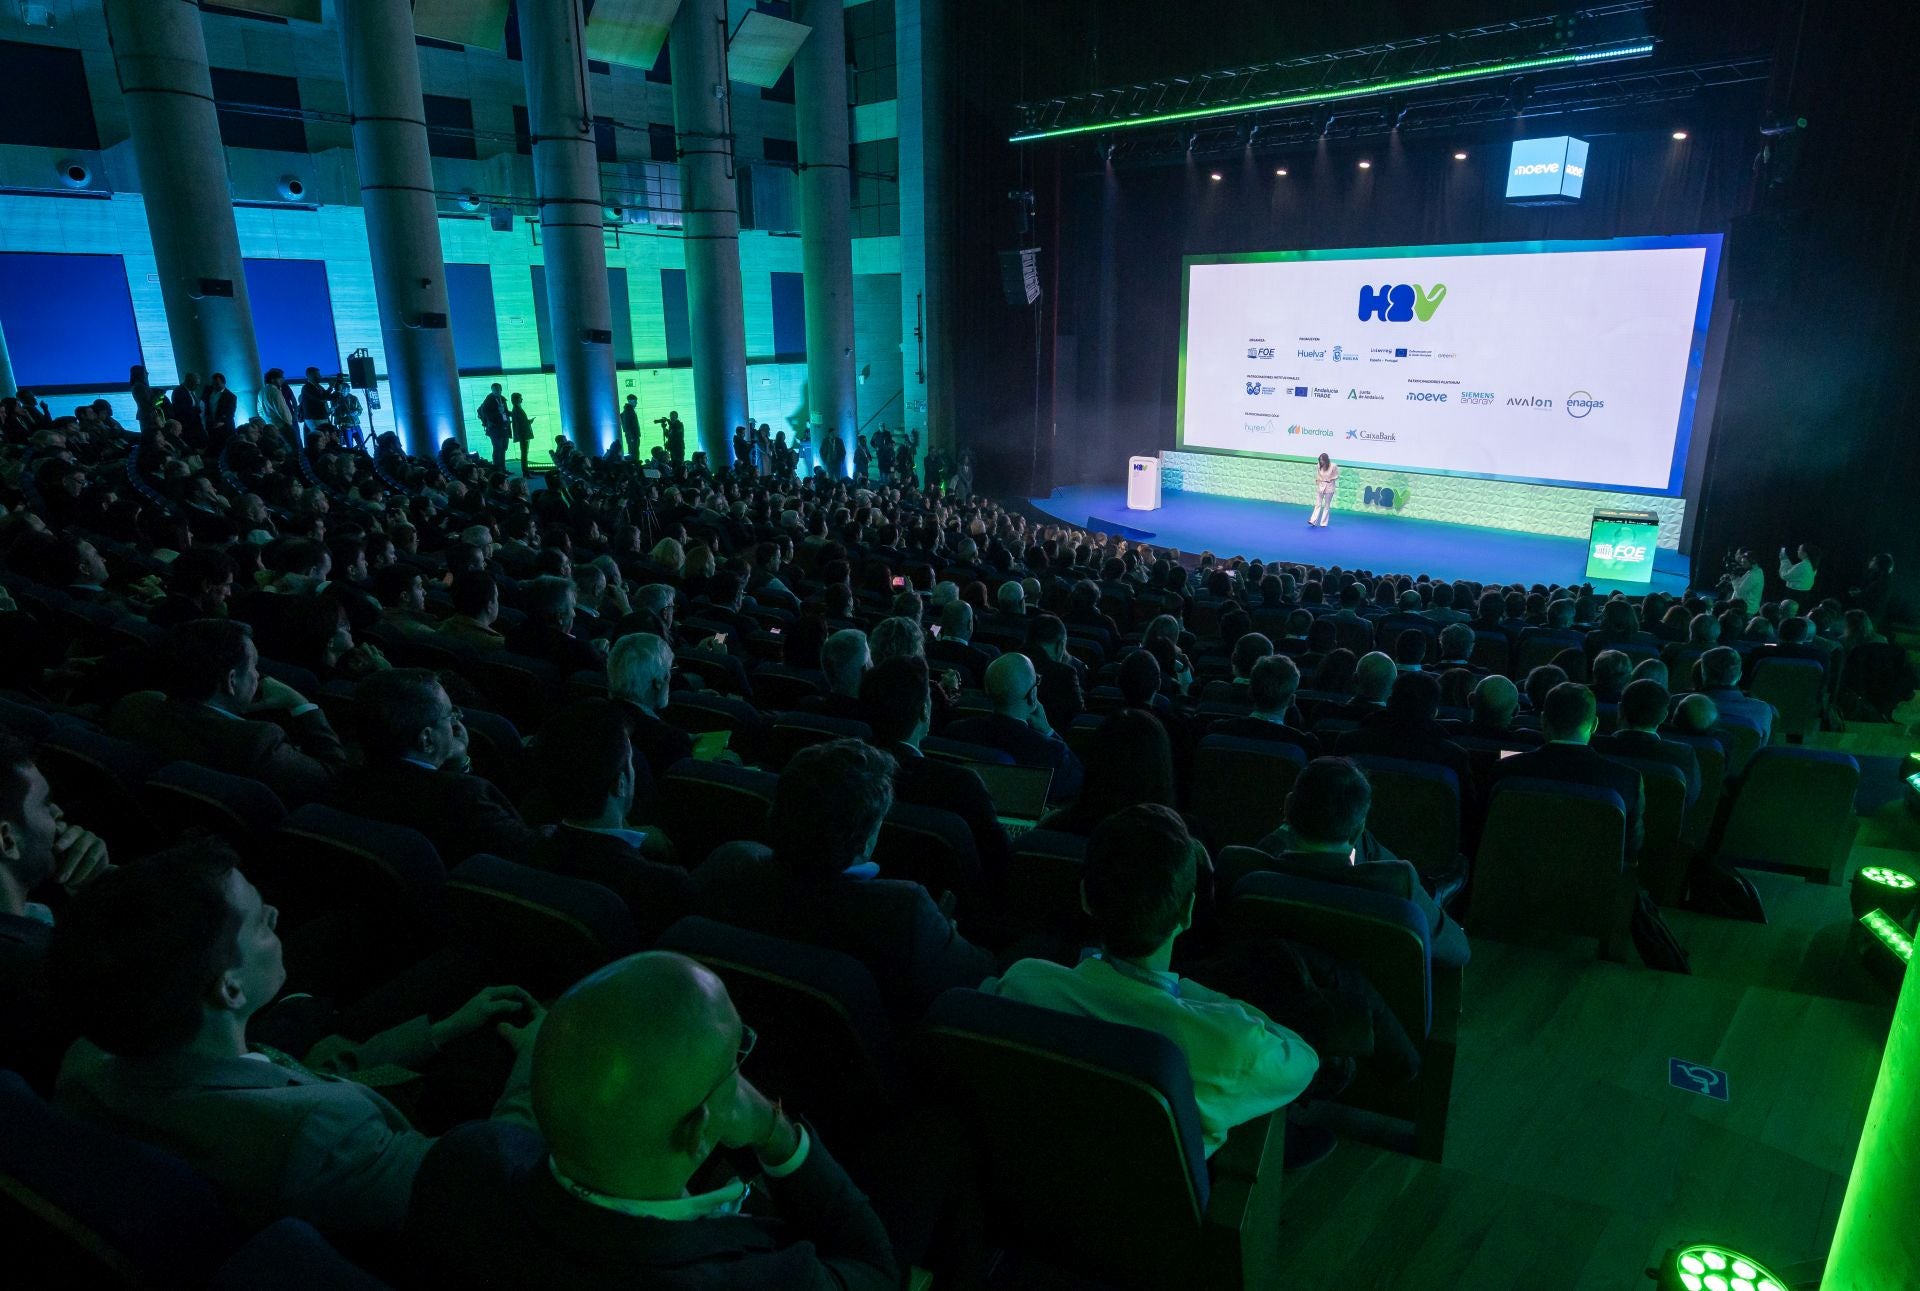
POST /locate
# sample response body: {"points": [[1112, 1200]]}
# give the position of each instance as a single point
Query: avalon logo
{"points": [[1529, 401], [1401, 302], [1580, 403], [1426, 396]]}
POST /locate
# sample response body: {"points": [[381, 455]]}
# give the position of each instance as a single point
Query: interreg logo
{"points": [[1529, 401], [1478, 398], [1619, 551], [1260, 387], [1316, 432], [1426, 396], [1310, 354], [1401, 302], [1259, 351], [1580, 403]]}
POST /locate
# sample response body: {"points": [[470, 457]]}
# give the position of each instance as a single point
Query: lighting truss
{"points": [[1598, 33]]}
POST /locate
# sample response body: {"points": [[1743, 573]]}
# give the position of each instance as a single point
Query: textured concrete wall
{"points": [[1492, 504]]}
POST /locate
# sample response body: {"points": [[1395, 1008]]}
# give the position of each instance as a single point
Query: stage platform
{"points": [[1382, 543]]}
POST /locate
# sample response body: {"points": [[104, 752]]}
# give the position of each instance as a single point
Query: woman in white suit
{"points": [[1326, 478]]}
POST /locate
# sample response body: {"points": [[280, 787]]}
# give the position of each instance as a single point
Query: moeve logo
{"points": [[1478, 398], [1538, 168], [1401, 302], [1426, 396], [1310, 354], [1259, 351], [1260, 387], [1580, 403], [1529, 401], [1619, 551]]}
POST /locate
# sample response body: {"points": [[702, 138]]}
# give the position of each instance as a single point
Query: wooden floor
{"points": [[1571, 1163]]}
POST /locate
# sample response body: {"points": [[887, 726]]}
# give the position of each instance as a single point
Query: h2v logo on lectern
{"points": [[1401, 302]]}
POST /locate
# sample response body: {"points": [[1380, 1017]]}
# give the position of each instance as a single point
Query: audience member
{"points": [[1643, 710], [639, 675], [1568, 719], [844, 660], [1019, 725], [1270, 690]]}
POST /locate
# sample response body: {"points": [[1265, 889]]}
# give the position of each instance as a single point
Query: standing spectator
{"points": [[493, 422], [522, 430]]}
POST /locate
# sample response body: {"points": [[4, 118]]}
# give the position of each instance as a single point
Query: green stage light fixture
{"points": [[1886, 930], [1881, 887], [1636, 49], [1706, 1266]]}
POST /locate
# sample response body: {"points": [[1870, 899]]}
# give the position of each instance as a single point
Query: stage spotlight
{"points": [[1215, 176], [1881, 887], [1366, 165], [1281, 171], [1680, 134], [1705, 1266], [1459, 156]]}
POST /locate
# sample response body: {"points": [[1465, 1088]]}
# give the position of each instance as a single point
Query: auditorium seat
{"points": [[96, 778], [1240, 785], [1387, 939], [1741, 743], [938, 746], [186, 798], [1796, 688], [496, 747], [291, 1256], [792, 732], [825, 1043], [1491, 650], [1044, 884], [1416, 810], [362, 897], [520, 689], [930, 846], [1664, 858], [705, 804], [538, 930], [780, 686], [1793, 811], [1551, 860], [1711, 755], [699, 711], [1092, 1149]]}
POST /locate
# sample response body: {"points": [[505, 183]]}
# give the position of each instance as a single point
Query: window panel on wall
{"points": [[449, 127], [622, 311], [774, 148], [241, 95], [677, 321], [476, 326], [661, 73], [293, 315], [68, 320], [870, 48], [47, 101], [522, 131], [662, 143], [606, 143], [876, 188], [789, 317], [542, 321]]}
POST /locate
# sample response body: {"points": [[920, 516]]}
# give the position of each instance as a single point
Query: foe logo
{"points": [[1401, 302], [1622, 551]]}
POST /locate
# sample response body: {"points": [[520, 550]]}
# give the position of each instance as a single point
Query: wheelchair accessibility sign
{"points": [[1697, 1079]]}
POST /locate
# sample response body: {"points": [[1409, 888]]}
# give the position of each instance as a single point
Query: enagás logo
{"points": [[1580, 403], [1401, 302], [1426, 396], [1477, 398], [1529, 401]]}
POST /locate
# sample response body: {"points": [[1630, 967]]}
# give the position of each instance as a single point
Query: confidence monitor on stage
{"points": [[1563, 363], [1621, 545]]}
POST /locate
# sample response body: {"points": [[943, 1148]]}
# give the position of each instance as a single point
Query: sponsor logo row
{"points": [[1579, 405], [1322, 432]]}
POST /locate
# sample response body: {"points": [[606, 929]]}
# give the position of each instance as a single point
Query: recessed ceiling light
{"points": [[1366, 165], [1679, 134], [1459, 156], [1215, 176], [1281, 171]]}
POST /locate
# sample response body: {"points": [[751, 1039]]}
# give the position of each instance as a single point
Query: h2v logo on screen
{"points": [[1401, 302]]}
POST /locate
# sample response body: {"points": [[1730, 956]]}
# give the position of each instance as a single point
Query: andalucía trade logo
{"points": [[1401, 302]]}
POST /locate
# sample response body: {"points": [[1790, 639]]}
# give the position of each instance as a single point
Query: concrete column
{"points": [[8, 386], [566, 176], [826, 234], [403, 225], [161, 56], [909, 73], [697, 47]]}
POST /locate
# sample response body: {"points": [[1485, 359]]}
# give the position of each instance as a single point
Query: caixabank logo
{"points": [[1401, 302]]}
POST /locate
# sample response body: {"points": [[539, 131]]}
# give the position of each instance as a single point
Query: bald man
{"points": [[1019, 726], [637, 1080], [1494, 702]]}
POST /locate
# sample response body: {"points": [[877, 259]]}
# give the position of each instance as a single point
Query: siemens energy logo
{"points": [[1476, 398], [1580, 403], [1401, 302]]}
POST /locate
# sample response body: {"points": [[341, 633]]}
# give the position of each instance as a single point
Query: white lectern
{"points": [[1143, 484]]}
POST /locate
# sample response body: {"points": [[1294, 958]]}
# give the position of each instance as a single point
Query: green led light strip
{"points": [[1352, 92], [1891, 934]]}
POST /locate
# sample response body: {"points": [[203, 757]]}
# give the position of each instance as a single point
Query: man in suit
{"points": [[1408, 727], [639, 676], [493, 421], [818, 886], [1494, 703], [1326, 824], [1456, 650], [221, 407], [1019, 725], [547, 631], [844, 659], [1568, 719], [476, 605], [40, 849], [1063, 677], [630, 426], [1643, 707], [162, 965], [219, 711], [592, 779], [185, 406], [417, 771], [638, 1081], [955, 644], [1719, 675], [898, 699], [1270, 687], [1373, 678], [199, 581]]}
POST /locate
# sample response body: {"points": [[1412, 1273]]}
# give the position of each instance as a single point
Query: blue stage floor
{"points": [[1381, 543]]}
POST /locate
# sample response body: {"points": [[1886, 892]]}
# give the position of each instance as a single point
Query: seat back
{"points": [[825, 1043], [1795, 687], [327, 859], [88, 1208], [498, 751], [1551, 859], [1794, 811], [1741, 743], [185, 797], [938, 746], [539, 930], [1711, 755], [780, 686], [929, 845], [1043, 881], [96, 778], [699, 711], [1535, 651], [1353, 635], [1240, 785], [1663, 857], [521, 689], [290, 1255], [1091, 1141], [705, 804], [1491, 650], [1416, 809], [1386, 937], [795, 731]]}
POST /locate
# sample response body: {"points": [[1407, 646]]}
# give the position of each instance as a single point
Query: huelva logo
{"points": [[1401, 302]]}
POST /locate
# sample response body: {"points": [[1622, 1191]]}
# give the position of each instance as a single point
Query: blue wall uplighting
{"points": [[68, 320]]}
